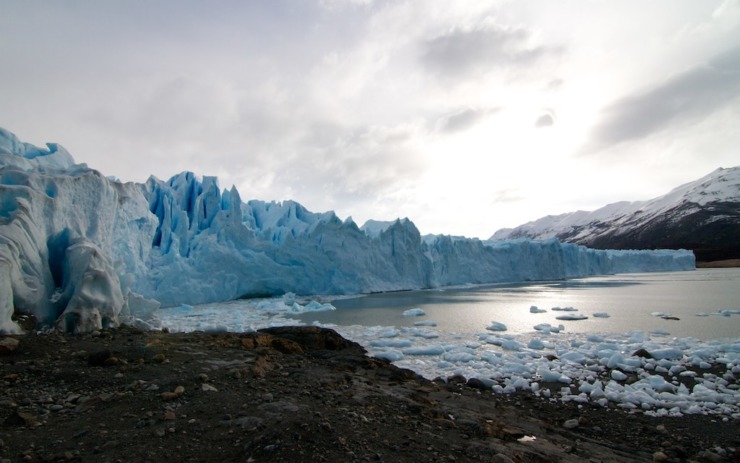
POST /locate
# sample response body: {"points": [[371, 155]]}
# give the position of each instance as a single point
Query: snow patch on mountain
{"points": [[720, 186]]}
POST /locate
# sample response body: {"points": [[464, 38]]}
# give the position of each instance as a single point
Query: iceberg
{"points": [[417, 312], [496, 326], [81, 251]]}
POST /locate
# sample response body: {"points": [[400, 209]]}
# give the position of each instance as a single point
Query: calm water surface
{"points": [[629, 299]]}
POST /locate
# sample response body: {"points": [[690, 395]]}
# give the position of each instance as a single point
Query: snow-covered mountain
{"points": [[83, 251], [703, 216]]}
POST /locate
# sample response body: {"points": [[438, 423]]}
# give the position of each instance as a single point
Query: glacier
{"points": [[81, 251]]}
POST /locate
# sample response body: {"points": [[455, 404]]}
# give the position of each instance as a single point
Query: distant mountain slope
{"points": [[703, 216]]}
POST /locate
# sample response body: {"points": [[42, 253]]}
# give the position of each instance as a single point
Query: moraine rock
{"points": [[571, 424], [8, 345]]}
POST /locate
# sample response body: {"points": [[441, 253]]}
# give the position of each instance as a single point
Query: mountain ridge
{"points": [[702, 215]]}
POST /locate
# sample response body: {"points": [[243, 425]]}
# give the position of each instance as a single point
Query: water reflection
{"points": [[628, 299]]}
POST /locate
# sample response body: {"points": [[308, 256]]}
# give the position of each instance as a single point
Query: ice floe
{"points": [[496, 326], [414, 313], [425, 323], [571, 317]]}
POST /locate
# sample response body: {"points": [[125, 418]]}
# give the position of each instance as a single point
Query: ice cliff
{"points": [[82, 251]]}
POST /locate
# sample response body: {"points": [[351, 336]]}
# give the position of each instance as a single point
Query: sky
{"points": [[464, 116]]}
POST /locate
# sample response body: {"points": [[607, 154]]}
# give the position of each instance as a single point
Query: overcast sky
{"points": [[465, 116]]}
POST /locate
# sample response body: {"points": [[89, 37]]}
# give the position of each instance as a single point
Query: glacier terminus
{"points": [[81, 251]]}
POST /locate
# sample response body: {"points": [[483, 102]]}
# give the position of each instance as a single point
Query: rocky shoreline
{"points": [[298, 394]]}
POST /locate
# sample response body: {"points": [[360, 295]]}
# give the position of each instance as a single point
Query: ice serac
{"points": [[82, 251], [210, 246]]}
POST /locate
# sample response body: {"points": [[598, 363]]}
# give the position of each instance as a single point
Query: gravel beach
{"points": [[297, 394]]}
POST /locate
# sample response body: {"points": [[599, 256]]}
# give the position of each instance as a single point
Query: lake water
{"points": [[630, 300]]}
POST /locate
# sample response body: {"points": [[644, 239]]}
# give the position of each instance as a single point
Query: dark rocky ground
{"points": [[293, 395]]}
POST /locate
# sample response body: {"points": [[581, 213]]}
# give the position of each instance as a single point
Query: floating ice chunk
{"points": [[564, 309], [425, 323], [549, 376], [618, 375], [574, 357], [614, 360], [548, 328], [391, 355], [670, 353], [704, 353], [272, 306], [312, 306], [535, 309], [571, 317], [138, 309], [425, 350], [493, 358], [414, 313], [462, 357], [659, 384], [391, 343], [659, 332], [495, 340], [510, 344], [519, 384], [422, 333], [388, 333], [601, 315], [702, 314], [536, 344], [728, 312], [597, 391], [496, 326]]}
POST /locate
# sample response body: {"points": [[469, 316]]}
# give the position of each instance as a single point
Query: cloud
{"points": [[682, 99], [368, 161], [555, 84], [337, 4], [507, 195], [347, 168], [462, 120], [545, 120], [469, 50]]}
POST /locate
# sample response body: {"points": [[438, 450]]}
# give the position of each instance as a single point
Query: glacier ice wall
{"points": [[83, 251], [70, 239]]}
